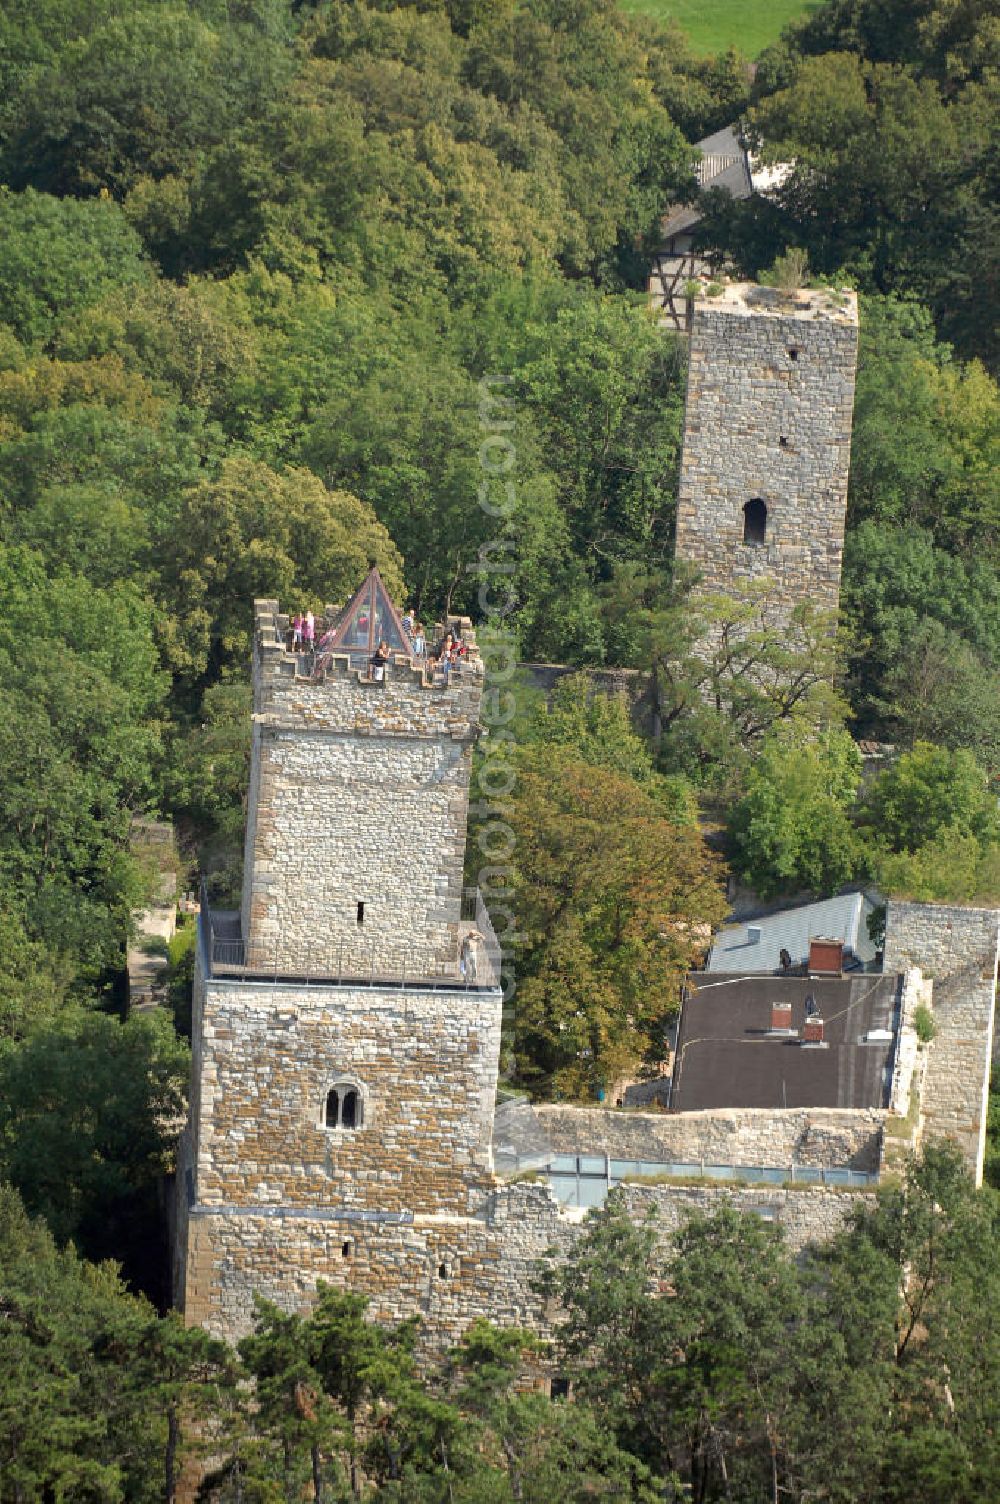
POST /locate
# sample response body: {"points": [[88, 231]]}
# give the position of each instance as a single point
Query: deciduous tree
{"points": [[616, 901], [792, 827]]}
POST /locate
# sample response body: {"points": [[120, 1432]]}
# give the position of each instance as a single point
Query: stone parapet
{"points": [[915, 992], [821, 1137], [407, 703]]}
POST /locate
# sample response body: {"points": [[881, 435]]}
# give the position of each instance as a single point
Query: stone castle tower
{"points": [[346, 1024], [767, 440]]}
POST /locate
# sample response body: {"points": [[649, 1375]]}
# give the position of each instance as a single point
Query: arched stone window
{"points": [[755, 521], [344, 1107]]}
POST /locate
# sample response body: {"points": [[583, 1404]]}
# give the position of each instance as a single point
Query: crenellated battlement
{"points": [[333, 689]]}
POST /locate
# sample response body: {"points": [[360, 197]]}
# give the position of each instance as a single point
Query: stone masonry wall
{"points": [[404, 1209], [425, 1064], [631, 685], [447, 1271], [736, 1136], [359, 795], [769, 406], [907, 1072], [958, 948]]}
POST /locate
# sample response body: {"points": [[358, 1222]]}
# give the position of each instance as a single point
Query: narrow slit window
{"points": [[361, 913], [755, 521]]}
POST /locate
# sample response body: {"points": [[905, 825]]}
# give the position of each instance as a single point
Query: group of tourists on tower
{"points": [[303, 632], [448, 653]]}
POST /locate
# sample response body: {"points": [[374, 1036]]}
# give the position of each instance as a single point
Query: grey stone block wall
{"points": [[405, 1209], [269, 1194], [828, 1137], [957, 949], [424, 1063], [770, 399], [908, 1063]]}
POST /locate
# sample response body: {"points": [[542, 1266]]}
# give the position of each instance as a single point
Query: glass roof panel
{"points": [[388, 627], [369, 618]]}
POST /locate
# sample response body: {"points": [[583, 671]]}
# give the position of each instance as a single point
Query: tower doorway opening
{"points": [[755, 521]]}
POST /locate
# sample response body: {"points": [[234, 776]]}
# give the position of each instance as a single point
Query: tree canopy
{"points": [[700, 1365], [617, 897]]}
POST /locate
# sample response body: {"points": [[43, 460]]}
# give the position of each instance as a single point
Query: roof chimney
{"points": [[781, 1018], [812, 1030], [826, 956]]}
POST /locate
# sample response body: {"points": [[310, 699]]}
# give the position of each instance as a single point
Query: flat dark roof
{"points": [[727, 1055]]}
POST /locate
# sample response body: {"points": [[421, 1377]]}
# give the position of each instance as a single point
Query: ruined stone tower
{"points": [[767, 439], [347, 1018]]}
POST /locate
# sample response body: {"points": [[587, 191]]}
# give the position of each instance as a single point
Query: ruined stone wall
{"points": [[358, 795], [632, 685], [448, 1271], [769, 405], [907, 1066], [826, 1137], [252, 878], [958, 949], [806, 1217], [269, 1195]]}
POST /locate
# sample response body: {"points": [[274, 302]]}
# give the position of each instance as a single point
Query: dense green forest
{"points": [[256, 259], [254, 262]]}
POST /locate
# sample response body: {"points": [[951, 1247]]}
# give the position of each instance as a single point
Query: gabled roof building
{"points": [[726, 163], [758, 945]]}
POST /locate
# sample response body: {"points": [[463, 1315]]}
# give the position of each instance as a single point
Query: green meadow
{"points": [[714, 25]]}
